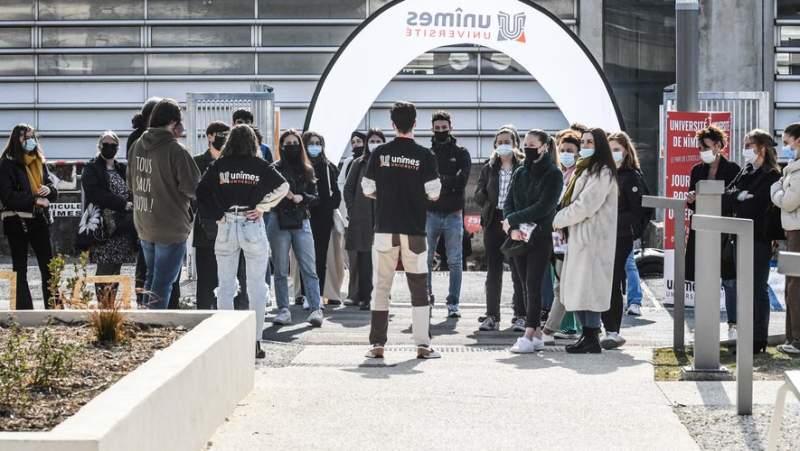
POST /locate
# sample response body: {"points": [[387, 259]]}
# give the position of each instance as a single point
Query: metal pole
{"points": [[678, 207], [743, 228], [687, 54], [707, 279], [789, 263]]}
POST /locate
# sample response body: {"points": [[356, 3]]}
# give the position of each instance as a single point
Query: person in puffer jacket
{"points": [[785, 193]]}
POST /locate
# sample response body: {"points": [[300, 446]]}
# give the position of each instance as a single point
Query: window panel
{"points": [[16, 65], [16, 10], [299, 35], [128, 64], [201, 36], [312, 9], [563, 9], [15, 37], [790, 36], [496, 63], [442, 63], [90, 9], [91, 37], [788, 63], [788, 9], [200, 9], [201, 64], [293, 63]]}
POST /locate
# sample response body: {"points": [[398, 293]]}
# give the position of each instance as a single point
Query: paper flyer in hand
{"points": [[559, 246], [525, 229]]}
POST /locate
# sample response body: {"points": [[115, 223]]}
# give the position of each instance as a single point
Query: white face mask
{"points": [[586, 153], [505, 150], [788, 152], [708, 156], [373, 146], [749, 155], [567, 159], [618, 157]]}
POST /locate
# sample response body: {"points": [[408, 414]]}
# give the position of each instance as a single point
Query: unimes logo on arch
{"points": [[511, 28]]}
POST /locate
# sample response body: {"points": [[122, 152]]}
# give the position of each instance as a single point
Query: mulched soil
{"points": [[96, 367]]}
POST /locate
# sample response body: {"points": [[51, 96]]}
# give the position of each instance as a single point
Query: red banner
{"points": [[682, 154]]}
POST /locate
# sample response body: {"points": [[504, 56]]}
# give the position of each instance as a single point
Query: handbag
{"points": [[118, 223], [338, 221], [513, 248], [289, 219], [92, 228]]}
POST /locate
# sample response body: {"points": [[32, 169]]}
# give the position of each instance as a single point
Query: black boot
{"points": [[260, 354], [576, 342], [588, 344], [365, 305]]}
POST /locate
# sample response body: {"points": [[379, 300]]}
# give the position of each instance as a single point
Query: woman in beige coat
{"points": [[588, 219], [785, 194]]}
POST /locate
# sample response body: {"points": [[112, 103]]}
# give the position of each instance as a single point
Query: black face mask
{"points": [[219, 141], [108, 151], [292, 152], [442, 136], [532, 153], [358, 151]]}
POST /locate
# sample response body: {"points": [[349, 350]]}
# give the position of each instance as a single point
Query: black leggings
{"points": [[612, 318], [39, 239], [530, 268], [493, 239], [364, 276]]}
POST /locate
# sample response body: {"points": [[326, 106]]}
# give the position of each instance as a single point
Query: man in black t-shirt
{"points": [[401, 176]]}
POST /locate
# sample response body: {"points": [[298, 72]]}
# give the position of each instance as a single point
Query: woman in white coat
{"points": [[785, 194], [588, 219]]}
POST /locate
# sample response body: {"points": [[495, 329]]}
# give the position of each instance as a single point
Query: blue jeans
{"points": [[452, 226], [634, 283], [268, 276], [163, 263], [302, 242], [589, 319], [729, 286], [249, 236]]}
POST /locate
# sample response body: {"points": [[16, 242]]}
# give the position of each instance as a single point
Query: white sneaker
{"points": [[375, 352], [548, 340], [316, 318], [284, 317], [788, 349], [612, 340], [306, 305], [733, 334], [427, 352], [350, 302], [525, 346], [519, 325], [635, 310]]}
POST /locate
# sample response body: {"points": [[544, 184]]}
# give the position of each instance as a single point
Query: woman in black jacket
{"points": [[532, 199], [361, 230], [26, 192], [322, 214], [748, 196], [630, 216], [103, 184], [290, 228], [710, 142], [491, 192]]}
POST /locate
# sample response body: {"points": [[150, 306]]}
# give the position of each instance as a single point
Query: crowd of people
{"points": [[563, 211]]}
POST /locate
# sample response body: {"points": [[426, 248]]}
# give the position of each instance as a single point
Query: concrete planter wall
{"points": [[174, 401]]}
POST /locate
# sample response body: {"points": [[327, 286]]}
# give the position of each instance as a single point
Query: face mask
{"points": [[586, 153], [617, 157], [749, 155], [505, 150], [358, 151], [567, 159], [708, 156], [532, 153], [442, 136], [292, 152], [788, 152], [373, 146], [30, 145], [108, 151], [219, 141], [314, 150]]}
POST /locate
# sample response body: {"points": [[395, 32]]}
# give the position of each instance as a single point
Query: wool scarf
{"points": [[580, 166], [33, 165]]}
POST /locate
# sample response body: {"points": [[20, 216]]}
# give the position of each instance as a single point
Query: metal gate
{"points": [[749, 110], [203, 108]]}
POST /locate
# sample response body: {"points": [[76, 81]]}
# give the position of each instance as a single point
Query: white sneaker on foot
{"points": [[525, 346], [316, 318], [788, 349], [548, 340], [519, 325], [284, 317], [427, 352], [306, 305], [375, 352], [733, 334], [612, 340], [635, 310], [350, 302]]}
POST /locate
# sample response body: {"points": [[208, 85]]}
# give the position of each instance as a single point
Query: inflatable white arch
{"points": [[404, 29]]}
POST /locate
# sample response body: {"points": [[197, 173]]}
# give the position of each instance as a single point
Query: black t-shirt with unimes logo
{"points": [[400, 170]]}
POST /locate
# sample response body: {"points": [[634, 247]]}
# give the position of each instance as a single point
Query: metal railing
{"points": [[704, 344]]}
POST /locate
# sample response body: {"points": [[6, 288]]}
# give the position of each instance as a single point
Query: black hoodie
{"points": [[454, 164]]}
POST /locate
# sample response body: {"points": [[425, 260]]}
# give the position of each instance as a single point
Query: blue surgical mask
{"points": [[505, 150], [788, 152], [30, 145], [586, 153], [617, 157], [567, 159], [314, 150]]}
